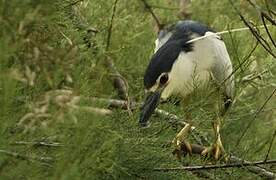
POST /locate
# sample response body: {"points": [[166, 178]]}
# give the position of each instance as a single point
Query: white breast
{"points": [[193, 69]]}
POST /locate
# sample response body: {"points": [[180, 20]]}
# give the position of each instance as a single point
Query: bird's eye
{"points": [[163, 79]]}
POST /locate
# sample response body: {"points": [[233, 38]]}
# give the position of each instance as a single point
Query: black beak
{"points": [[148, 107]]}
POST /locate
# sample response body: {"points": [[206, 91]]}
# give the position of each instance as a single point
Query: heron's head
{"points": [[161, 79], [156, 93], [165, 73]]}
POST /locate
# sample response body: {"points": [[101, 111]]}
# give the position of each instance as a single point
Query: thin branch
{"points": [[219, 166], [261, 12], [255, 116], [270, 11], [263, 17], [39, 143], [259, 38], [157, 21], [73, 3], [270, 145], [109, 32], [119, 82], [254, 169]]}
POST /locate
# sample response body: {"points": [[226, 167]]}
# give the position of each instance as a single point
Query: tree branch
{"points": [[119, 82], [38, 143], [219, 166], [270, 145], [109, 32], [160, 26], [257, 35]]}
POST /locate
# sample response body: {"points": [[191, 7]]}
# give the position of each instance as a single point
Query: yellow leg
{"points": [[216, 150], [182, 147]]}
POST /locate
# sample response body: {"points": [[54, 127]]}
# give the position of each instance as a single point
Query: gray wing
{"points": [[222, 71]]}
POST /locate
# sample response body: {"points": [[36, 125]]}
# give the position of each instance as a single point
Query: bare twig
{"points": [[270, 145], [39, 143], [73, 3], [119, 82], [219, 166], [255, 169], [263, 16], [160, 26], [259, 38], [109, 32], [81, 23]]}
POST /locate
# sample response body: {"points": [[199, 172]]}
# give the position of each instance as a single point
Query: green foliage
{"points": [[46, 65]]}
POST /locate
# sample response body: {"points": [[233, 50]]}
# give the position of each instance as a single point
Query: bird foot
{"points": [[182, 147], [216, 151]]}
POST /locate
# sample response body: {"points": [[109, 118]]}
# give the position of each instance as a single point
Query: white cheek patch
{"points": [[156, 85], [153, 88]]}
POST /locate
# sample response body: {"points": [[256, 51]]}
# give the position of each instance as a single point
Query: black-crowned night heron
{"points": [[181, 57]]}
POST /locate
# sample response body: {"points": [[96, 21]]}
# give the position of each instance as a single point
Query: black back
{"points": [[166, 55]]}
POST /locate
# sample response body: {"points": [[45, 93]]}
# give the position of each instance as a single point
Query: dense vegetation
{"points": [[53, 58]]}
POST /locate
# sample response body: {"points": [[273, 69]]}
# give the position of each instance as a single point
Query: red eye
{"points": [[163, 79]]}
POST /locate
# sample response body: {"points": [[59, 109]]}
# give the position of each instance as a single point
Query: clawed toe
{"points": [[216, 151], [182, 147]]}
